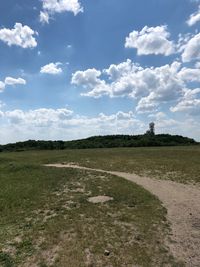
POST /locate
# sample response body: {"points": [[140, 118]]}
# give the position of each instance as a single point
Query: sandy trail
{"points": [[183, 206]]}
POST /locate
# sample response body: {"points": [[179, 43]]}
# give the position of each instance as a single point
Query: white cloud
{"points": [[44, 17], [158, 116], [116, 71], [167, 88], [147, 104], [151, 40], [20, 35], [63, 124], [11, 81], [14, 81], [120, 82], [39, 117], [194, 18], [149, 86], [190, 102], [192, 49], [89, 79], [189, 75], [51, 68], [51, 7], [2, 86]]}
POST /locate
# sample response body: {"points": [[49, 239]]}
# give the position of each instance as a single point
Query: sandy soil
{"points": [[99, 199], [183, 206]]}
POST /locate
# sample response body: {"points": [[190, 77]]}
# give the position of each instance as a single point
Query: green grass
{"points": [[174, 163], [46, 218]]}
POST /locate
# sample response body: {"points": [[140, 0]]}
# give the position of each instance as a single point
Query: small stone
{"points": [[106, 252]]}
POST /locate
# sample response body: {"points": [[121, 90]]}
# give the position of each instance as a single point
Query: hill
{"points": [[108, 141]]}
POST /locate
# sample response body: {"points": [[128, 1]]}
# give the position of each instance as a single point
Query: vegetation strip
{"points": [[108, 141]]}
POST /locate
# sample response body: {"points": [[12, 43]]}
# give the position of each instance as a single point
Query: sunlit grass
{"points": [[46, 218]]}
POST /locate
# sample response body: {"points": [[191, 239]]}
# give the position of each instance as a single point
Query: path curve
{"points": [[183, 206]]}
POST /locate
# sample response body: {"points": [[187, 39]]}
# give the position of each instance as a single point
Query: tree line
{"points": [[108, 141]]}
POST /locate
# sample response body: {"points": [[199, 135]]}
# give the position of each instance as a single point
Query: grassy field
{"points": [[174, 163], [46, 219]]}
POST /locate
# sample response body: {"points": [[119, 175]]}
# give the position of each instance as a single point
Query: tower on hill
{"points": [[151, 130]]}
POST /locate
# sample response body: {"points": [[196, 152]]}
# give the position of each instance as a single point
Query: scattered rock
{"points": [[106, 252], [99, 199]]}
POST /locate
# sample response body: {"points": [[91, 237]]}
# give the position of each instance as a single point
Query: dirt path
{"points": [[183, 206]]}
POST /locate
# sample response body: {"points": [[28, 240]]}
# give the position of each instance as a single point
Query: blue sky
{"points": [[75, 68]]}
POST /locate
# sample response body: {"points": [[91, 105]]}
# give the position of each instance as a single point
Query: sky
{"points": [[70, 69]]}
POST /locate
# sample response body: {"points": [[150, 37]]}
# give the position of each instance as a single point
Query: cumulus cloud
{"points": [[116, 71], [89, 79], [151, 40], [192, 49], [120, 82], [147, 104], [51, 68], [51, 7], [149, 86], [190, 102], [11, 81], [20, 35], [14, 81], [189, 74], [168, 88], [194, 18]]}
